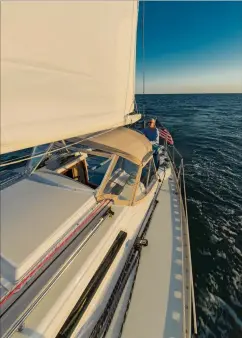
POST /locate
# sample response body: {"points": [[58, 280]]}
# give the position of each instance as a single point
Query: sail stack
{"points": [[67, 69]]}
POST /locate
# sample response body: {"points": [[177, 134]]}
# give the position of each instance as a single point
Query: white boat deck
{"points": [[36, 212], [67, 288], [156, 307]]}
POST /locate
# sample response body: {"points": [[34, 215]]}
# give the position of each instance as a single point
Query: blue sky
{"points": [[191, 47]]}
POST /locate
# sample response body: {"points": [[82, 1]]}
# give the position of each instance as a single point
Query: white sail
{"points": [[67, 69]]}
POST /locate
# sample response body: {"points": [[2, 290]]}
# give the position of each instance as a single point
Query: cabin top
{"points": [[36, 212]]}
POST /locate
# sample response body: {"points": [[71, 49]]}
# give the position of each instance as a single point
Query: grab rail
{"points": [[179, 171]]}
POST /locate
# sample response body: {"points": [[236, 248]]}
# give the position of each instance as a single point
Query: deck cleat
{"points": [[141, 242]]}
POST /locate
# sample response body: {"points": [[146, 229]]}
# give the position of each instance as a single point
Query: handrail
{"points": [[175, 156], [189, 251]]}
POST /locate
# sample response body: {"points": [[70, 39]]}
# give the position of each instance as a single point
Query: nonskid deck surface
{"points": [[156, 307]]}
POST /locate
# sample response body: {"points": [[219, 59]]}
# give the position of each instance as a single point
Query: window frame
{"points": [[100, 195], [150, 186]]}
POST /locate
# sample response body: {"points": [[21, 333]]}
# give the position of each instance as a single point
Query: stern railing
{"points": [[178, 169]]}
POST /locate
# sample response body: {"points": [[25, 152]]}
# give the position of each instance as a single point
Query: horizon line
{"points": [[189, 93]]}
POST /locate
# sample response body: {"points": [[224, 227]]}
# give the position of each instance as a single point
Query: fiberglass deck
{"points": [[37, 211], [156, 307]]}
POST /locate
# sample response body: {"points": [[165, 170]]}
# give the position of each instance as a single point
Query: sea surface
{"points": [[207, 130]]}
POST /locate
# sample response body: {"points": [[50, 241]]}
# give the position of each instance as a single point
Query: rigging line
{"points": [[143, 54], [5, 164]]}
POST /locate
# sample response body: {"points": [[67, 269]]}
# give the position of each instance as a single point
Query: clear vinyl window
{"points": [[147, 179], [122, 179]]}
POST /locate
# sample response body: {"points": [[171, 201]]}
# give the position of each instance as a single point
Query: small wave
{"points": [[237, 279], [221, 254], [237, 251], [207, 332], [231, 240], [226, 229], [232, 313], [205, 252], [236, 302], [215, 239]]}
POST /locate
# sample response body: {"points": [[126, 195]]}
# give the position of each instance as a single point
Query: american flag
{"points": [[164, 133]]}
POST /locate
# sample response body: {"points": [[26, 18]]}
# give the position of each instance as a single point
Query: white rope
{"points": [[22, 159]]}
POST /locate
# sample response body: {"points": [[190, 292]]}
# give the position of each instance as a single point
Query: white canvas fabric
{"points": [[67, 69]]}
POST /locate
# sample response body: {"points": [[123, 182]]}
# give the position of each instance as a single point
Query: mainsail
{"points": [[67, 69]]}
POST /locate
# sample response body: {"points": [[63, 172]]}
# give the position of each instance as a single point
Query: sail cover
{"points": [[67, 69]]}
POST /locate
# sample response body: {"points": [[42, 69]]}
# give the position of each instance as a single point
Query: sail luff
{"points": [[67, 69]]}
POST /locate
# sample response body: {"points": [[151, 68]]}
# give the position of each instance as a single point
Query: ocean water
{"points": [[207, 130]]}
